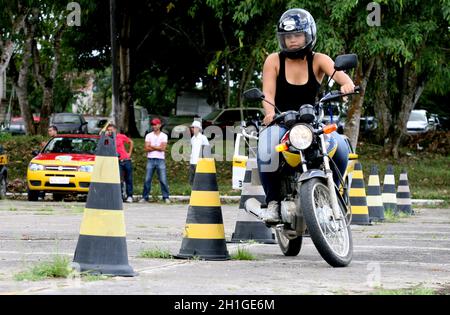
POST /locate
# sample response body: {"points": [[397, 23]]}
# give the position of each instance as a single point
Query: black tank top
{"points": [[291, 96]]}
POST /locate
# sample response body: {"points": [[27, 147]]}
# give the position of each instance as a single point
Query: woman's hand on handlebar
{"points": [[268, 118], [348, 88]]}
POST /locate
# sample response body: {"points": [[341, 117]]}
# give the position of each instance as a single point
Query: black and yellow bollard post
{"points": [[358, 201], [102, 247], [389, 195], [248, 228], [404, 203], [204, 234], [374, 200]]}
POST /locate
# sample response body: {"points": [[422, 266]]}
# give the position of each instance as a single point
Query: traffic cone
{"points": [[248, 227], [358, 201], [403, 194], [204, 234], [102, 247], [374, 200], [389, 195]]}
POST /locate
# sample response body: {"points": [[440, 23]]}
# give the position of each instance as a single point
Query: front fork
{"points": [[330, 181]]}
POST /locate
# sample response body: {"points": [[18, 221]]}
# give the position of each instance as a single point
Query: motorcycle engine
{"points": [[288, 212]]}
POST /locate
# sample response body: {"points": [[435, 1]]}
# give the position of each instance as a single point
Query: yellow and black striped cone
{"points": [[403, 194], [358, 201], [248, 227], [374, 200], [204, 234], [389, 195], [102, 247]]}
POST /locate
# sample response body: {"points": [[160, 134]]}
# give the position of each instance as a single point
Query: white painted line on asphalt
{"points": [[403, 247], [159, 268]]}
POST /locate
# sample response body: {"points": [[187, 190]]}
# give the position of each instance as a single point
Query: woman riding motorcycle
{"points": [[291, 78]]}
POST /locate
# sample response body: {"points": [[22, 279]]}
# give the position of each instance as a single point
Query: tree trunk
{"points": [[115, 110], [46, 81], [354, 112], [21, 83], [411, 89], [382, 101], [245, 78], [7, 48]]}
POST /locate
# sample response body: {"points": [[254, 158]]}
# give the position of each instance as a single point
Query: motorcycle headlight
{"points": [[86, 168], [36, 167], [301, 137]]}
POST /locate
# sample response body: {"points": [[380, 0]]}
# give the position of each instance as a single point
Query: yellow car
{"points": [[64, 166]]}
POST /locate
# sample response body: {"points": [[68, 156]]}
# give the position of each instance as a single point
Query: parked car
{"points": [[17, 125], [64, 166], [233, 117], [95, 123], [69, 123], [434, 122], [3, 173], [418, 122]]}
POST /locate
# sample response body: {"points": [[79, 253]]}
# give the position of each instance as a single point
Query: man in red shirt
{"points": [[126, 169]]}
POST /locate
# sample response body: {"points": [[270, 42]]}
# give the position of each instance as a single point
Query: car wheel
{"points": [[33, 195]]}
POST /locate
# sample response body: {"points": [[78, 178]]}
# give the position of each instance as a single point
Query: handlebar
{"points": [[337, 94]]}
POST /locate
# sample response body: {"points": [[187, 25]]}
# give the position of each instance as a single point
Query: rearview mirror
{"points": [[254, 94], [35, 152], [345, 62]]}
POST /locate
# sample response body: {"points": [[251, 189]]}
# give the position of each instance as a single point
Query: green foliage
{"points": [[243, 254], [58, 268], [155, 253]]}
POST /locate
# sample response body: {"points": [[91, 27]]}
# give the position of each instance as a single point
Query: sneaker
{"points": [[143, 200], [129, 199], [271, 214], [167, 200]]}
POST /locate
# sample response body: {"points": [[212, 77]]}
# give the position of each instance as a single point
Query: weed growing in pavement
{"points": [[416, 290], [243, 254], [156, 253], [58, 268]]}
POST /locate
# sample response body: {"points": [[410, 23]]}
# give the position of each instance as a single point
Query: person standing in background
{"points": [[125, 163], [197, 140], [155, 145]]}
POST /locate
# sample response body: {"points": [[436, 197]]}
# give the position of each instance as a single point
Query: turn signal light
{"points": [[329, 128], [281, 147]]}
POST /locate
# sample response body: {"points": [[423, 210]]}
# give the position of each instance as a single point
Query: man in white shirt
{"points": [[197, 140], [155, 145]]}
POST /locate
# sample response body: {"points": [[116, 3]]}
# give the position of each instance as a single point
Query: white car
{"points": [[418, 122]]}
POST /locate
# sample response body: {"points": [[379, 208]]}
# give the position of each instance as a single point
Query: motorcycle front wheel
{"points": [[289, 246], [332, 238]]}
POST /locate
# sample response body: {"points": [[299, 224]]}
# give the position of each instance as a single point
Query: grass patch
{"points": [[155, 253], [77, 209], [417, 290], [243, 254], [375, 236], [391, 217], [58, 268], [12, 209]]}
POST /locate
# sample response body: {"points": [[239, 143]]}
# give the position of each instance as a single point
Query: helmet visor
{"points": [[294, 41]]}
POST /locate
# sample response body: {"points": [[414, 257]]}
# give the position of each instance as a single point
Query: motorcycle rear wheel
{"points": [[289, 247], [332, 238]]}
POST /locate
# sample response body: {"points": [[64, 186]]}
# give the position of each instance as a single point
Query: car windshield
{"points": [[71, 145], [212, 115], [66, 119], [415, 116]]}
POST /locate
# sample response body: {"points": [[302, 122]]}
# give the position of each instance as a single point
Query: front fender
{"points": [[311, 174]]}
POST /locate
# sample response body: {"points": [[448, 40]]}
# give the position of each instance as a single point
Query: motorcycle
{"points": [[314, 190]]}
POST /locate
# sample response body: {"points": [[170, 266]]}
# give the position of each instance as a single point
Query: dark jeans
{"points": [[192, 173], [126, 174], [160, 166]]}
